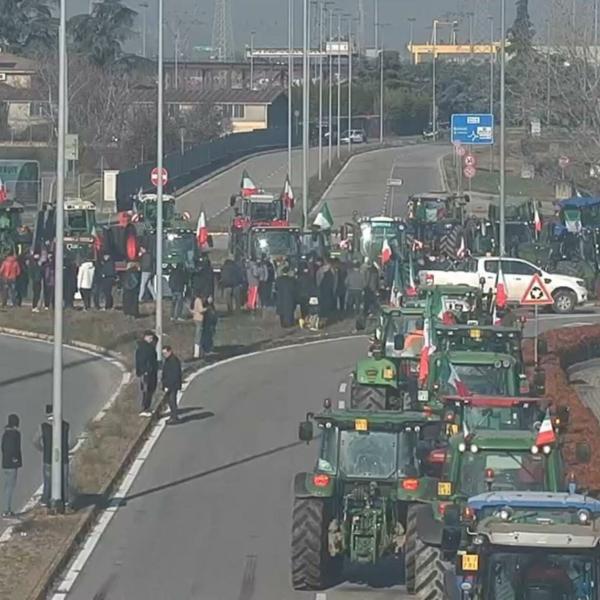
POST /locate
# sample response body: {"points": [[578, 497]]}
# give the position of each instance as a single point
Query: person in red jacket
{"points": [[9, 271]]}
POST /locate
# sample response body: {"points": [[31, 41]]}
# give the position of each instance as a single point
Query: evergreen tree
{"points": [[520, 35]]}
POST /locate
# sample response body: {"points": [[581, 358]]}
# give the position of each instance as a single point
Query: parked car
{"points": [[355, 136]]}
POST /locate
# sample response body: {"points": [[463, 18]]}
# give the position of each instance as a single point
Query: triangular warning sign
{"points": [[536, 293]]}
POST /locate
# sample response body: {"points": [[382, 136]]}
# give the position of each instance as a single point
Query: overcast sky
{"points": [[269, 19]]}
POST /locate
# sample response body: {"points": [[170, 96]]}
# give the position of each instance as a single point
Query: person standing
{"points": [[48, 272], [130, 282], [22, 282], [9, 271], [69, 281], [209, 326], [253, 277], [198, 311], [85, 281], [306, 289], [171, 381], [147, 269], [97, 283], [12, 461], [264, 291], [177, 282], [326, 284], [108, 275], [146, 368], [43, 442], [231, 283], [286, 298], [35, 276], [355, 284]]}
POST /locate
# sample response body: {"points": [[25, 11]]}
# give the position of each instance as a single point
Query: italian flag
{"points": [[324, 220], [386, 252], [3, 193], [462, 249], [456, 382], [537, 221], [501, 294], [287, 195], [546, 433], [427, 350], [202, 231], [248, 187]]}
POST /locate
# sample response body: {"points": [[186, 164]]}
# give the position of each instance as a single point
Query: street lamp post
{"points": [[144, 5], [330, 99], [349, 85], [252, 33], [491, 85], [159, 186], [320, 45], [376, 21], [339, 84], [305, 116], [411, 30], [502, 125], [57, 500], [290, 78], [381, 89], [433, 84]]}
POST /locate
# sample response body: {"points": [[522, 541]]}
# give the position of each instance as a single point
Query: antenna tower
{"points": [[222, 34]]}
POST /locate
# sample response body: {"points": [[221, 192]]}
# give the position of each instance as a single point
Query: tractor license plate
{"points": [[475, 334], [361, 425], [423, 395], [444, 488], [470, 562]]}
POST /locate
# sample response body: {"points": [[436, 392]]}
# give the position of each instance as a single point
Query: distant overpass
{"points": [[457, 51]]}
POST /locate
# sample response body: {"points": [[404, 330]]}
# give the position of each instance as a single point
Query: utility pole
{"points": [[159, 187], [502, 127], [330, 78], [57, 502], [321, 7], [596, 39], [411, 31], [349, 85], [376, 21], [491, 85], [252, 34], [433, 83], [548, 87], [177, 58], [305, 116], [290, 78], [339, 84], [381, 88], [144, 5]]}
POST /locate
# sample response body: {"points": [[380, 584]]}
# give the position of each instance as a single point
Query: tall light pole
{"points": [[491, 85], [252, 34], [596, 38], [433, 83], [320, 46], [548, 87], [349, 85], [144, 5], [411, 31], [177, 58], [381, 95], [290, 78], [305, 109], [159, 187], [330, 78], [376, 21], [502, 125], [339, 83], [57, 357]]}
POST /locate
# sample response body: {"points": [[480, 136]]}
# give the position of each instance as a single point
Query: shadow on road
{"points": [[387, 572]]}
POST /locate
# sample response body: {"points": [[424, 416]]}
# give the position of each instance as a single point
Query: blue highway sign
{"points": [[472, 129]]}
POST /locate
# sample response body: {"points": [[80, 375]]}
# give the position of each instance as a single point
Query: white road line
{"points": [[321, 596], [106, 516], [343, 387], [576, 324]]}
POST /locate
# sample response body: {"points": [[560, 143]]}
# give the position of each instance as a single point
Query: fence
{"points": [[197, 162]]}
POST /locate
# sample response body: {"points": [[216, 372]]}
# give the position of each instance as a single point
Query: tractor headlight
{"points": [[534, 449], [328, 425], [474, 448], [505, 513], [478, 540], [506, 363], [466, 586], [498, 364], [546, 449], [583, 516], [462, 447]]}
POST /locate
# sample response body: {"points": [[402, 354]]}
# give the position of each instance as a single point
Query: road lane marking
{"points": [[343, 387], [321, 596], [81, 559]]}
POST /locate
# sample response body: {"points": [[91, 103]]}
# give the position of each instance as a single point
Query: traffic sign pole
{"points": [[535, 335]]}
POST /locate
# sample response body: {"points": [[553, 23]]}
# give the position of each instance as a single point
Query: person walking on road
{"points": [[146, 368], [48, 271], [36, 277], [209, 326], [108, 274], [198, 310], [253, 277], [12, 461], [85, 280], [231, 284], [177, 282], [43, 442], [171, 381], [355, 284], [147, 269], [285, 287], [9, 271]]}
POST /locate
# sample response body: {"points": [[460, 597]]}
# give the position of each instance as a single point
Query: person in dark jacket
{"points": [[22, 282], [171, 381], [327, 297], [97, 283], [48, 274], [231, 282], [285, 286], [108, 275], [43, 442], [34, 269], [147, 269], [146, 368], [306, 288], [177, 283], [11, 462], [130, 282], [209, 326], [203, 279], [69, 282]]}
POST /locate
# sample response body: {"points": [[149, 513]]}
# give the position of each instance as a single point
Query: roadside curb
{"points": [[88, 516]]}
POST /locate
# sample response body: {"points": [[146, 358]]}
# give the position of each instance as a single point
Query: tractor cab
{"points": [[80, 217], [180, 245], [370, 233], [436, 207], [482, 338], [260, 207], [315, 243], [277, 242], [460, 303], [146, 208], [501, 556]]}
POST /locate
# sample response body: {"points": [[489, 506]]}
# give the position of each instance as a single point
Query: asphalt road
{"points": [[26, 388]]}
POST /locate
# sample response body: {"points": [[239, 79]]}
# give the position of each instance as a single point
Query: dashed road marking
{"points": [[343, 387]]}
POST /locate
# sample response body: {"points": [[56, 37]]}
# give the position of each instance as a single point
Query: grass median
{"points": [[40, 542]]}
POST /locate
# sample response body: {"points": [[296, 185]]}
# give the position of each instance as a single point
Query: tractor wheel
{"points": [[312, 566], [429, 572], [410, 548], [364, 397]]}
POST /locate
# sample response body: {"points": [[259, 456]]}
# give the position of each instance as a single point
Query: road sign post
{"points": [[536, 295], [472, 129]]}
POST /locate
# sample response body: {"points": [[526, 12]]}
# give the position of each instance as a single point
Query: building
{"points": [[244, 110], [23, 109], [17, 71]]}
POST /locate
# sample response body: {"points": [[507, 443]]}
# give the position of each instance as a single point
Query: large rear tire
{"points": [[313, 568], [410, 548], [429, 572], [365, 397]]}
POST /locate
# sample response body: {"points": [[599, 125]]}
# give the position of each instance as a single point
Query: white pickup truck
{"points": [[567, 292]]}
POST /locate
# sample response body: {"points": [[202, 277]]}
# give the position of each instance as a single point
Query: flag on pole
{"points": [[537, 221], [287, 194], [546, 434], [427, 350], [456, 382], [501, 292], [202, 231], [324, 220], [465, 428], [248, 187], [411, 289], [462, 249], [386, 252], [3, 193]]}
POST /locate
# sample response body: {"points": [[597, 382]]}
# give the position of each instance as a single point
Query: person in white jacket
{"points": [[85, 277]]}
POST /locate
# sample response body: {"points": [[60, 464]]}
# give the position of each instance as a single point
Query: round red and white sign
{"points": [[154, 176], [470, 160], [469, 172], [460, 150]]}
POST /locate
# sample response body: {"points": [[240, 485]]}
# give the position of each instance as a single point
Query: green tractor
{"points": [[369, 234], [14, 237], [387, 378], [372, 468], [502, 557], [474, 464]]}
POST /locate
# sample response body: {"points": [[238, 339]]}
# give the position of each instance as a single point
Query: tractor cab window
{"points": [[180, 249], [149, 210], [79, 221], [327, 462], [486, 380], [275, 243], [499, 418], [512, 471], [370, 454], [263, 211], [373, 234], [528, 575], [518, 233]]}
